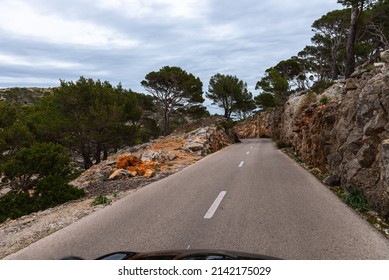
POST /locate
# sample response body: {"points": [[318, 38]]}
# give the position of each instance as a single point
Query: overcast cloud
{"points": [[43, 41]]}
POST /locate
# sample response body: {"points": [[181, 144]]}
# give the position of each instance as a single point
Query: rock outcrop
{"points": [[347, 137]]}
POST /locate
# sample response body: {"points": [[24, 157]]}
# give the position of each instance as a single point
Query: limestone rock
{"points": [[172, 157], [350, 85], [385, 56], [194, 146], [119, 174], [385, 164], [152, 155]]}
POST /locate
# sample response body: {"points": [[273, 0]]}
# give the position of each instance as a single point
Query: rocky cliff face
{"points": [[344, 131]]}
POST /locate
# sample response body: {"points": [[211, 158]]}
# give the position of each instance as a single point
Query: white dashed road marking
{"points": [[211, 211]]}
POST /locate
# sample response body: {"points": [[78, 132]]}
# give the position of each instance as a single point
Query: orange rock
{"points": [[141, 170], [149, 173], [151, 164], [115, 174], [128, 160], [132, 170], [135, 166]]}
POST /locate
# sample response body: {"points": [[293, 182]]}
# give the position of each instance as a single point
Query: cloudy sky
{"points": [[43, 41]]}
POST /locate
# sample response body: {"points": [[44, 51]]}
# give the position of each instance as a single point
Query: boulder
{"points": [[385, 56], [172, 157], [149, 173], [128, 160], [152, 155], [350, 85], [119, 174], [194, 146], [333, 180]]}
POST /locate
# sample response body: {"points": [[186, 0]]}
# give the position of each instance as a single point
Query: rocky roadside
{"points": [[343, 131], [168, 155]]}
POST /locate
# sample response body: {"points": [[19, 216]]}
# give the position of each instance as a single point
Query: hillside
{"points": [[23, 96]]}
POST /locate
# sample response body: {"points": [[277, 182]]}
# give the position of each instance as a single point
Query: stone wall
{"points": [[346, 137]]}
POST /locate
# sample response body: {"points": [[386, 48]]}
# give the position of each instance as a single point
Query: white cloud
{"points": [[188, 9], [29, 81], [227, 31], [123, 40], [20, 19], [13, 60]]}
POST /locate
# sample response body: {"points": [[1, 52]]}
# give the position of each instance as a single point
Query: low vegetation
{"points": [[324, 100], [281, 144], [355, 198], [50, 192], [101, 200]]}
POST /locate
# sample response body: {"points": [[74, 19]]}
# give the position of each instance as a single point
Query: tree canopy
{"points": [[343, 40], [231, 94], [173, 88], [88, 117]]}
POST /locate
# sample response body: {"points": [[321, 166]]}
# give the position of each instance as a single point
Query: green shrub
{"points": [[99, 200], [324, 100], [53, 190], [50, 192], [281, 144], [28, 165], [320, 86], [14, 205], [369, 67], [355, 198]]}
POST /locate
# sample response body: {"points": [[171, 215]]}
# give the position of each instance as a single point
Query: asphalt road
{"points": [[248, 197]]}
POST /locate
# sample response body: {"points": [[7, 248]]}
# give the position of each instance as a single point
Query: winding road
{"points": [[248, 197]]}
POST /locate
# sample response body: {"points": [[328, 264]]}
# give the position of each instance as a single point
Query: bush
{"points": [[53, 190], [281, 144], [31, 164], [15, 204], [356, 199], [99, 200], [324, 100], [320, 86], [50, 192]]}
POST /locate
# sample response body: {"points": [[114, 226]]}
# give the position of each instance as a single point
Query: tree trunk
{"points": [[87, 162], [166, 123], [350, 47], [98, 153], [335, 70], [105, 152], [85, 153]]}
